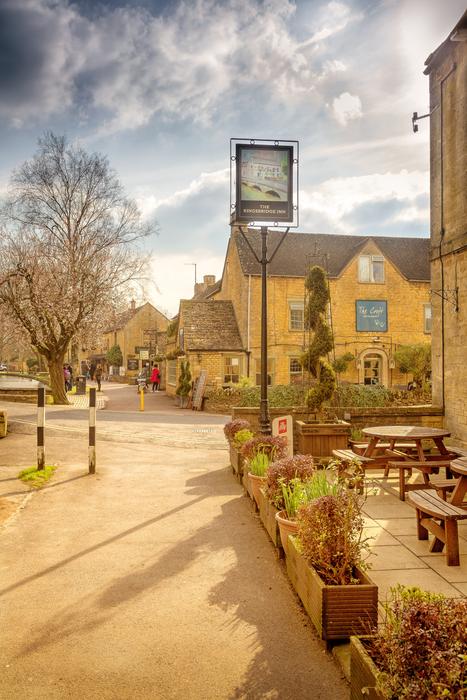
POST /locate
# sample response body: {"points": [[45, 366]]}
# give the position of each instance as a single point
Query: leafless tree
{"points": [[67, 249]]}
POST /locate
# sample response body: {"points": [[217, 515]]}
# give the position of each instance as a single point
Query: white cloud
{"points": [[174, 276], [132, 64], [337, 198], [346, 107]]}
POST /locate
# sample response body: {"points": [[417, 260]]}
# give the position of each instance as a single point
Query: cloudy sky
{"points": [[160, 86]]}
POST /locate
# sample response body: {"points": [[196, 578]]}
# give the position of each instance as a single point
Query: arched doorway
{"points": [[373, 368]]}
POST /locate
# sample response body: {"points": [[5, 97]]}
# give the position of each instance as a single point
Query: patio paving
{"points": [[397, 556]]}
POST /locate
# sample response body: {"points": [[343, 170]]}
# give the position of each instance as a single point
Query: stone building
{"points": [[380, 299], [447, 70], [141, 334]]}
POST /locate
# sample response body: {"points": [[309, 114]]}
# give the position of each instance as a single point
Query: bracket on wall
{"points": [[451, 296]]}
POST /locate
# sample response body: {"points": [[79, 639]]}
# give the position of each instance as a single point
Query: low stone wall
{"points": [[427, 416]]}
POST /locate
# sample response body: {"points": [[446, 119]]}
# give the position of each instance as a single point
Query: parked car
{"points": [[3, 367]]}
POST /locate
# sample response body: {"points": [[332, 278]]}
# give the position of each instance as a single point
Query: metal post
{"points": [[141, 398], [92, 430], [264, 420], [40, 428]]}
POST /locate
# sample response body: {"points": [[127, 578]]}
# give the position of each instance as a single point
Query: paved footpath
{"points": [[150, 580]]}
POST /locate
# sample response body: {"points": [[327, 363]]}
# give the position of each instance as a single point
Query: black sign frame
{"points": [[265, 211]]}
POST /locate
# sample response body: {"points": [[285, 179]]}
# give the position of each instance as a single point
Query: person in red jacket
{"points": [[155, 378]]}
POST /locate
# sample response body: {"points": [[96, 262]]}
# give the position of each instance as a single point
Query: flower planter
{"points": [[320, 439], [337, 612], [256, 483], [267, 513], [236, 461], [286, 527], [363, 672]]}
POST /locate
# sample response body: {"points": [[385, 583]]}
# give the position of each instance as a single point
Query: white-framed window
{"points": [[232, 369], [427, 318], [371, 269], [271, 365], [172, 372], [295, 370], [296, 312]]}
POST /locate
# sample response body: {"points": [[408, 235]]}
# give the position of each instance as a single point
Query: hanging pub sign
{"points": [[264, 182]]}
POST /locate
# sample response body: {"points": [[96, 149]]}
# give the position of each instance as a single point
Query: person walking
{"points": [[155, 378], [98, 376], [66, 378]]}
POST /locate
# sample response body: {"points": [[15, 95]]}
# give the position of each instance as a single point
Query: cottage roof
{"points": [[122, 318], [209, 325], [333, 252]]}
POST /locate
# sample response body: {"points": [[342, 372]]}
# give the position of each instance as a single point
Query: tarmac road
{"points": [[151, 580]]}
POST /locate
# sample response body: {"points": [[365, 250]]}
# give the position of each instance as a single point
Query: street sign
{"points": [[283, 426], [264, 182], [144, 354]]}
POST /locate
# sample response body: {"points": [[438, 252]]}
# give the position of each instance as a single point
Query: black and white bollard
{"points": [[40, 428], [92, 431]]}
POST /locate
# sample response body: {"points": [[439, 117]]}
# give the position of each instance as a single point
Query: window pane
{"points": [[270, 372], [232, 370], [296, 315], [427, 318], [378, 271], [364, 268]]}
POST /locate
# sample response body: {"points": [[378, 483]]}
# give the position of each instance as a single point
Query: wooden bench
{"points": [[3, 423], [431, 508], [348, 456], [426, 468]]}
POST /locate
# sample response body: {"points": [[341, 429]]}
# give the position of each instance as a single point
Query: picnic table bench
{"points": [[430, 509]]}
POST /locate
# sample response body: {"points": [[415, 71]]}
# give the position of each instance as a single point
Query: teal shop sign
{"points": [[372, 315]]}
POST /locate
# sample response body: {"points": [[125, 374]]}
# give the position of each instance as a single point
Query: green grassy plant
{"points": [[37, 477]]}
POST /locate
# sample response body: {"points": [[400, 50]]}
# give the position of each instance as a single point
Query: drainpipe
{"points": [[248, 326], [442, 230]]}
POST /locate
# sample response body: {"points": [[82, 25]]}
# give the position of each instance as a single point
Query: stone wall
{"points": [[449, 232]]}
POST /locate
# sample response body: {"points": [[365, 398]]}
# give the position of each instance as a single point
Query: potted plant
{"points": [[271, 499], [297, 493], [242, 428], [325, 563], [319, 437], [259, 453], [184, 383], [418, 652]]}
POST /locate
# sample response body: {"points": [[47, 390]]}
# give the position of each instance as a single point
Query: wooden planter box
{"points": [[267, 513], [320, 439], [337, 612], [363, 673], [236, 461]]}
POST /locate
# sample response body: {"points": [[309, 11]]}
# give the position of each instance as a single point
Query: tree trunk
{"points": [[57, 380]]}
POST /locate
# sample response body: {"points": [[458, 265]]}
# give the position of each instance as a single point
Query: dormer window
{"points": [[371, 269]]}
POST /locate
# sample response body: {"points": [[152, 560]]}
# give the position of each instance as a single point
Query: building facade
{"points": [[141, 334], [380, 299], [447, 70]]}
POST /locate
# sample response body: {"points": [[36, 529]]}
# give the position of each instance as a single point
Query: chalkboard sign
{"points": [[198, 391], [372, 316]]}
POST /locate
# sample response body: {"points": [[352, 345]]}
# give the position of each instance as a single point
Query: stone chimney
{"points": [[208, 280]]}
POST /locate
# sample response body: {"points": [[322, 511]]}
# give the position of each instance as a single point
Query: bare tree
{"points": [[67, 249]]}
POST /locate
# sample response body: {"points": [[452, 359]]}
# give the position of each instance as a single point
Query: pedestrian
{"points": [[66, 377], [98, 376], [70, 369], [92, 370], [155, 378]]}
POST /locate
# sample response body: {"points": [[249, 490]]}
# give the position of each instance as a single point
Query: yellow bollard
{"points": [[141, 399]]}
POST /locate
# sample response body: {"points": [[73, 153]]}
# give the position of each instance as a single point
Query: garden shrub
{"points": [[234, 426], [330, 532], [421, 647], [261, 451], [282, 472]]}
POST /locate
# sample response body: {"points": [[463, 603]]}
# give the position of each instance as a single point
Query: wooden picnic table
{"points": [[459, 469], [406, 433]]}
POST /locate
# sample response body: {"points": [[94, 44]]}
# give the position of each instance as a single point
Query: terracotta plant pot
{"points": [[363, 672], [337, 611], [256, 483], [286, 527]]}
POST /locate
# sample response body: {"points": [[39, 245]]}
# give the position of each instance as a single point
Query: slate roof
{"points": [[333, 252], [209, 325]]}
